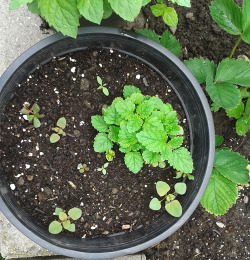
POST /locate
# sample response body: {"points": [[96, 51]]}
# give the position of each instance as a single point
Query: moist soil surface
{"points": [[45, 174]]}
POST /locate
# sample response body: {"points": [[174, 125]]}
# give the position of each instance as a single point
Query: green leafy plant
{"points": [[61, 124], [167, 40], [145, 129], [67, 22], [31, 114], [222, 81], [82, 167], [102, 86], [218, 140], [103, 168], [229, 171], [56, 227], [172, 206], [110, 155]]}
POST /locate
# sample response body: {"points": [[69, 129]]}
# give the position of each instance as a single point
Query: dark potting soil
{"points": [[44, 176]]}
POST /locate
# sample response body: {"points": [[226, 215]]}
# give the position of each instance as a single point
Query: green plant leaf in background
{"points": [[246, 21], [233, 71], [107, 9], [220, 195], [149, 34], [185, 3], [228, 15], [218, 140], [203, 70], [236, 112], [170, 42], [128, 90], [243, 125], [63, 15], [225, 95], [126, 9], [33, 7], [15, 4], [170, 16], [91, 10], [158, 9], [134, 161], [99, 123]]}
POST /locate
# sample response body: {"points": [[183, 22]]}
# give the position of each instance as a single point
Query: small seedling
{"points": [[102, 86], [110, 155], [56, 227], [31, 114], [172, 206], [181, 174], [61, 124], [82, 167], [103, 169]]}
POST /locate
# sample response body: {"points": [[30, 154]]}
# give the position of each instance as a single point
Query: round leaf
{"points": [[36, 122], [63, 216], [72, 228], [174, 208], [75, 213], [55, 227], [162, 188], [180, 188], [155, 204], [54, 138], [57, 211], [61, 122], [66, 224]]}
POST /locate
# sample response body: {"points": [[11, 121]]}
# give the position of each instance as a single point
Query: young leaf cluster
{"points": [[61, 124], [82, 167], [102, 86], [31, 114], [167, 40], [103, 168], [172, 206], [145, 129], [229, 170], [56, 227], [64, 15]]}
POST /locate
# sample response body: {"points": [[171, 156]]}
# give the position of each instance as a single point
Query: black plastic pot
{"points": [[201, 139]]}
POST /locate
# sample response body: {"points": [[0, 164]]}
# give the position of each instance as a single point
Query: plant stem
{"points": [[235, 46]]}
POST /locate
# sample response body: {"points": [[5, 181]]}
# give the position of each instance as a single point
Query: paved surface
{"points": [[19, 30]]}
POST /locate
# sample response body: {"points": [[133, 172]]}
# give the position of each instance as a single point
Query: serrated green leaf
{"points": [[91, 10], [166, 153], [133, 161], [126, 9], [155, 204], [102, 143], [150, 157], [243, 125], [145, 109], [36, 122], [218, 140], [125, 108], [233, 71], [173, 129], [215, 107], [63, 15], [111, 116], [220, 195], [247, 108], [232, 166], [136, 98], [170, 16], [170, 118], [228, 15], [72, 228], [203, 70], [149, 34], [174, 208], [175, 142], [113, 133], [236, 112], [162, 188], [125, 150], [181, 160], [75, 213], [180, 188], [99, 123], [153, 122], [54, 138], [246, 36], [134, 123], [66, 224], [107, 10], [158, 9], [63, 216], [61, 122], [225, 95], [15, 4], [244, 92], [33, 7], [170, 42], [128, 90], [125, 138], [55, 227], [155, 140], [245, 14], [57, 211], [182, 2]]}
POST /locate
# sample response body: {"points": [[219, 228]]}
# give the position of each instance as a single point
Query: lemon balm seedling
{"points": [[110, 155], [61, 124], [82, 167], [103, 169], [102, 86], [31, 114], [56, 227]]}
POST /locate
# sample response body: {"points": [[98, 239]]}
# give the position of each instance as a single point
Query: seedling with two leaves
{"points": [[102, 86], [103, 169], [82, 167], [172, 206], [31, 114], [56, 227], [110, 155], [61, 124]]}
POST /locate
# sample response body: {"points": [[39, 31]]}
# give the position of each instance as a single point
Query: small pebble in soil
{"points": [[220, 225], [114, 191], [77, 133]]}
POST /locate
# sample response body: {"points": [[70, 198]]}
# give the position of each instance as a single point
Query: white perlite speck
{"points": [[94, 227], [30, 154], [220, 225], [73, 70], [27, 166], [12, 186], [138, 76]]}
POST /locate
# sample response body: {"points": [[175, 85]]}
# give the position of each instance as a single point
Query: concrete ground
{"points": [[19, 30]]}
